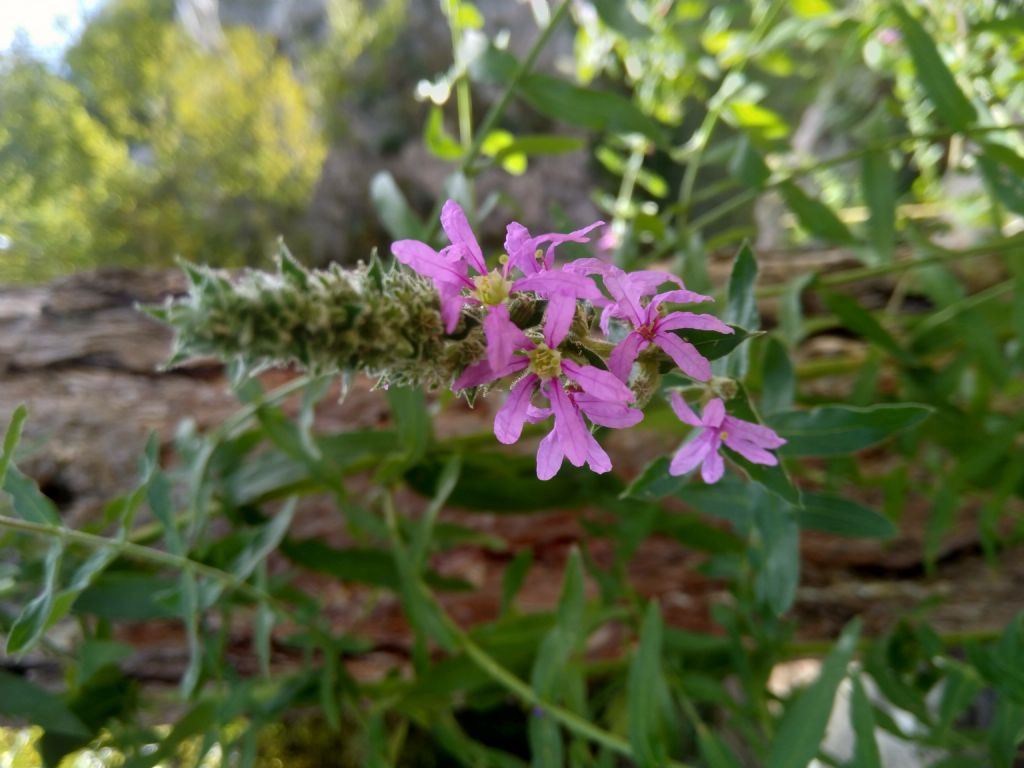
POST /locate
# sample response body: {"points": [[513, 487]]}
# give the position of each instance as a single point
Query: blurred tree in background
{"points": [[151, 147]]}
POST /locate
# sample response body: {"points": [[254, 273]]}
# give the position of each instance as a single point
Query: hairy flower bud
{"points": [[383, 322]]}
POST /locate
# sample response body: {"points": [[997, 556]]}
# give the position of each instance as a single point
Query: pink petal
{"points": [[520, 249], [714, 465], [621, 360], [685, 355], [714, 413], [552, 281], [606, 413], [558, 318], [503, 337], [536, 415], [589, 266], [572, 432], [683, 411], [549, 457], [579, 236], [423, 259], [606, 315], [749, 451], [680, 297], [625, 294], [452, 301], [648, 280], [676, 320], [594, 381], [756, 434], [456, 226], [691, 453], [482, 373], [508, 422], [597, 459]]}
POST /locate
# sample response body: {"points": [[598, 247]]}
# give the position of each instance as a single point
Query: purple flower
{"points": [[751, 441], [650, 324], [451, 272], [587, 390]]}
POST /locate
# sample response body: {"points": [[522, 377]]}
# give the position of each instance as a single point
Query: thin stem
{"points": [[496, 111], [140, 553], [867, 273], [629, 177]]}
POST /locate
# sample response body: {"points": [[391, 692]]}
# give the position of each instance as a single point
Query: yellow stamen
{"points": [[545, 361], [724, 435], [492, 289]]}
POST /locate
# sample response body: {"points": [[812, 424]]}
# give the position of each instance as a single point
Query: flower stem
{"points": [[496, 111]]}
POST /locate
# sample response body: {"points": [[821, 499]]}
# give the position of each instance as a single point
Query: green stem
{"points": [[867, 273], [629, 177], [495, 113], [143, 554]]}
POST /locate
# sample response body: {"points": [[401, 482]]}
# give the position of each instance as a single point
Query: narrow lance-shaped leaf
{"points": [[814, 216], [878, 184], [862, 718], [777, 560], [741, 310], [33, 620], [860, 321], [803, 725], [643, 692], [836, 430], [11, 439], [951, 105]]}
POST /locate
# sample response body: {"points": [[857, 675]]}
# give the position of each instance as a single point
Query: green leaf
{"points": [[654, 482], [425, 526], [616, 15], [814, 216], [803, 725], [569, 616], [778, 379], [711, 344], [266, 541], [395, 214], [775, 478], [777, 559], [861, 322], [748, 166], [791, 311], [438, 141], [1003, 170], [843, 517], [862, 719], [493, 481], [540, 144], [24, 700], [412, 421], [741, 308], [514, 577], [33, 620], [588, 108], [361, 566], [29, 502], [878, 184], [951, 105], [837, 430], [127, 596], [714, 751], [644, 687], [11, 439]]}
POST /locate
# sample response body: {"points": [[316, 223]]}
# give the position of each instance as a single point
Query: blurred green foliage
{"points": [[171, 149]]}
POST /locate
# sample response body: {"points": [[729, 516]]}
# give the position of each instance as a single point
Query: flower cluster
{"points": [[551, 359]]}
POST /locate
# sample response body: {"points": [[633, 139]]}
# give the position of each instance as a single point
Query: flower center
{"points": [[545, 361], [723, 435], [647, 331], [492, 289]]}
